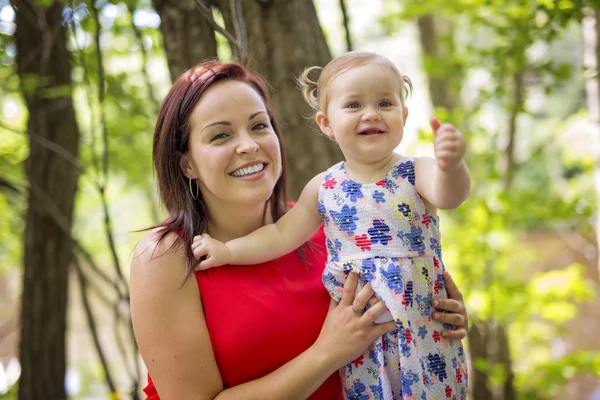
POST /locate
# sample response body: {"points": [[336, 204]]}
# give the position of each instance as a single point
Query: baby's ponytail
{"points": [[309, 87]]}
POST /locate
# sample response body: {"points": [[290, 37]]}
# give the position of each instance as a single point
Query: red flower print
{"points": [[329, 183], [359, 361], [381, 183], [436, 262], [424, 378], [459, 375], [437, 286], [363, 242], [408, 336], [425, 220], [436, 336], [448, 392]]}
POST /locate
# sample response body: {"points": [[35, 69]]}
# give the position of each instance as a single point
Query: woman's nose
{"points": [[247, 145]]}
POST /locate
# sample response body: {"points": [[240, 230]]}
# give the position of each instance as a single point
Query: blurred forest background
{"points": [[80, 86]]}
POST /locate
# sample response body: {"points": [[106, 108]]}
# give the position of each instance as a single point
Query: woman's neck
{"points": [[228, 222]]}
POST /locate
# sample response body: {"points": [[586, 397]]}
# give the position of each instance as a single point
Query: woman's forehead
{"points": [[227, 100]]}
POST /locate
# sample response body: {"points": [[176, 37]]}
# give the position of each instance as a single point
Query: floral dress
{"points": [[383, 231]]}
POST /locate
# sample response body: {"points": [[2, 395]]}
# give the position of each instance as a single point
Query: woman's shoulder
{"points": [[158, 261]]}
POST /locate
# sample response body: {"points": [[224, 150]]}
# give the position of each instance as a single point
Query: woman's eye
{"points": [[218, 136], [385, 103], [260, 126], [353, 105]]}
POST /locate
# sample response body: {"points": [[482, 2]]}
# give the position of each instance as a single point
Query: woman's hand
{"points": [[457, 313], [349, 329]]}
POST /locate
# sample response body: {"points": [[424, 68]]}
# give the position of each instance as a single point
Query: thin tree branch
{"points": [[92, 325], [207, 13], [140, 39], [240, 29], [50, 145], [346, 21]]}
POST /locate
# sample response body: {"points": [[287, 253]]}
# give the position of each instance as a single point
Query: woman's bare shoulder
{"points": [[157, 261]]}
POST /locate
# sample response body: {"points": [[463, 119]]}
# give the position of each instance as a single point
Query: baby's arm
{"points": [[444, 182], [269, 242]]}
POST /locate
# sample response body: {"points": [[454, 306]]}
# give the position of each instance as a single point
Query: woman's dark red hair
{"points": [[188, 217]]}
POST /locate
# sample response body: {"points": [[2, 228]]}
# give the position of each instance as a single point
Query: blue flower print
{"points": [[414, 239], [357, 391], [435, 245], [334, 248], [424, 303], [352, 190], [367, 269], [393, 277], [408, 379], [323, 212], [345, 219], [422, 332], [408, 294], [405, 349], [437, 365], [405, 170], [378, 197], [378, 232], [404, 209]]}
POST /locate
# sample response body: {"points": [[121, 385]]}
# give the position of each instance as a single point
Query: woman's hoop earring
{"points": [[191, 191]]}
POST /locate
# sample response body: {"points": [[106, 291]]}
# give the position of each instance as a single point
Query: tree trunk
{"points": [[440, 88], [188, 38], [43, 65], [478, 381], [591, 61], [284, 37], [443, 94]]}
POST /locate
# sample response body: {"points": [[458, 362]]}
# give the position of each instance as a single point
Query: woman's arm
{"points": [[269, 242], [173, 338]]}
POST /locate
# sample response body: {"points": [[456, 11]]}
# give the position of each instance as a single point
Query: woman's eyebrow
{"points": [[255, 114], [226, 123]]}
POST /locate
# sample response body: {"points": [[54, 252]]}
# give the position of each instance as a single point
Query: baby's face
{"points": [[365, 113]]}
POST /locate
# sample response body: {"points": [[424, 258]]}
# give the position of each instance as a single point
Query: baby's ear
{"points": [[404, 113], [323, 123]]}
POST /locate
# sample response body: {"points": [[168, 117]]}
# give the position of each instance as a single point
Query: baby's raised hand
{"points": [[449, 145], [212, 252]]}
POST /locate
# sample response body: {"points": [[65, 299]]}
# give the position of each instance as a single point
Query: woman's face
{"points": [[233, 150]]}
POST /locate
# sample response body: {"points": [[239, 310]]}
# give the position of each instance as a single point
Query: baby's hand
{"points": [[215, 253], [449, 145]]}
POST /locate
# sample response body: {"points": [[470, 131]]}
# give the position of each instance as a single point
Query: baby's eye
{"points": [[353, 105], [218, 136], [385, 103]]}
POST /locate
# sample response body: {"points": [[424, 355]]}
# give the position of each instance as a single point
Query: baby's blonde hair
{"points": [[316, 92]]}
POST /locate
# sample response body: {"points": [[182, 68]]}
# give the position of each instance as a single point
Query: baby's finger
{"points": [[206, 264], [200, 251]]}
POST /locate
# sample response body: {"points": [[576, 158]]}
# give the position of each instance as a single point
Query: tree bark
{"points": [[591, 61], [188, 38], [284, 37], [440, 89], [43, 65], [478, 337]]}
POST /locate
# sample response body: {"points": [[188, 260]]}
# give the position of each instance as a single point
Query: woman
{"points": [[262, 331]]}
